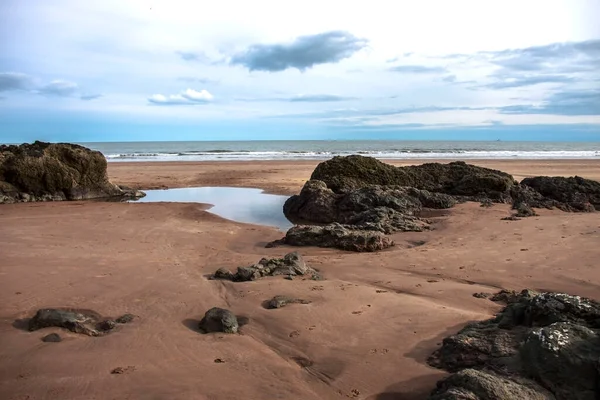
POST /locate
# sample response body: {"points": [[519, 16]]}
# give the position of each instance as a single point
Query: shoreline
{"points": [[287, 177]]}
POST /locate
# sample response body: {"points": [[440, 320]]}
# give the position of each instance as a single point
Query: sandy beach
{"points": [[366, 334]]}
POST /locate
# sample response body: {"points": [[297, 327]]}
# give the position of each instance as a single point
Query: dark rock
{"points": [[337, 236], [511, 218], [282, 301], [52, 338], [292, 264], [471, 384], [486, 203], [47, 172], [482, 295], [550, 340], [77, 321], [563, 356], [219, 320], [315, 203], [106, 325], [342, 174], [125, 319], [568, 194]]}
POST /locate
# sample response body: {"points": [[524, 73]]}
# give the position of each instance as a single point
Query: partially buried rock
{"points": [[125, 319], [540, 346], [282, 301], [524, 210], [337, 236], [52, 338], [77, 321], [86, 322], [292, 264], [219, 320]]}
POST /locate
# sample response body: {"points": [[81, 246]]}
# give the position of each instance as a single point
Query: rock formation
{"points": [[292, 264], [78, 321], [567, 194], [541, 346], [49, 172]]}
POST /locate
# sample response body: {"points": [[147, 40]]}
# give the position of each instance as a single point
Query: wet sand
{"points": [[366, 335]]}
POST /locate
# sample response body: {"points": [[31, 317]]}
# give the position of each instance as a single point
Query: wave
{"points": [[225, 155]]}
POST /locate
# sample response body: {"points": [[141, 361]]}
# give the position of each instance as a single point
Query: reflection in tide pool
{"points": [[237, 204]]}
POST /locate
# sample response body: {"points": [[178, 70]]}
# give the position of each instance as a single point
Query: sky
{"points": [[115, 70]]}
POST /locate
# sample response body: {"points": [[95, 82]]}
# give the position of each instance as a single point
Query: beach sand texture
{"points": [[366, 334]]}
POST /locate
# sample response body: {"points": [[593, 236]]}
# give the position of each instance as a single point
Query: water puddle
{"points": [[251, 206]]}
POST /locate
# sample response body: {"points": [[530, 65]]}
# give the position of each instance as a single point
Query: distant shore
{"points": [[288, 176]]}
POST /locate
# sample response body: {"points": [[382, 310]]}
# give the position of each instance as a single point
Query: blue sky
{"points": [[185, 70]]}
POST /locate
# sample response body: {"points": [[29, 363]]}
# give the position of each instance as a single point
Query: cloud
{"points": [[319, 98], [90, 96], [512, 82], [542, 57], [581, 102], [303, 53], [449, 78], [190, 56], [14, 81], [187, 97], [191, 79], [58, 88], [417, 69]]}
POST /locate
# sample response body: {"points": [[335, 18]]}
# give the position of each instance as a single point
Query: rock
{"points": [[511, 218], [292, 264], [315, 203], [219, 320], [563, 356], [524, 210], [342, 174], [482, 295], [282, 301], [550, 340], [52, 338], [125, 319], [106, 325], [568, 194], [486, 203], [337, 236], [49, 172], [76, 321], [471, 384]]}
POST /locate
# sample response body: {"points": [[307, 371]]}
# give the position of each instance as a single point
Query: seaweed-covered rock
{"points": [[524, 211], [342, 174], [292, 264], [546, 339], [219, 320], [569, 194], [280, 301], [316, 203], [337, 236], [471, 384], [61, 171]]}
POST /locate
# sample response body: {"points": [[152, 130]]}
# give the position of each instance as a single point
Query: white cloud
{"points": [[188, 96]]}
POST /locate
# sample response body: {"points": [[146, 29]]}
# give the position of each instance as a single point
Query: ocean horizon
{"points": [[325, 149]]}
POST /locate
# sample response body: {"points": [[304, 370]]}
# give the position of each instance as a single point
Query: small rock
{"points": [[219, 361], [52, 338], [281, 301], [121, 370], [219, 320], [125, 319], [106, 325], [482, 295]]}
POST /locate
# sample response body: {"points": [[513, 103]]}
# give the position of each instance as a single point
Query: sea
{"points": [[325, 149]]}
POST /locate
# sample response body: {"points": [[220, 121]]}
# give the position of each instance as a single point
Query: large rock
{"points": [[61, 171], [547, 339], [292, 264], [567, 194], [337, 236], [342, 174], [471, 384]]}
